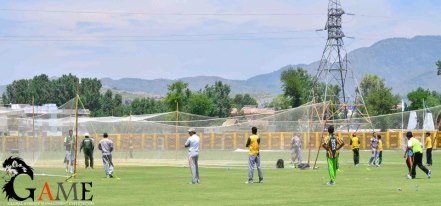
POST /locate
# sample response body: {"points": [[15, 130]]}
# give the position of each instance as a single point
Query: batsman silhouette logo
{"points": [[15, 166]]}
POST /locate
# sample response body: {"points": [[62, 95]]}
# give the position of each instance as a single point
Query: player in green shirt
{"points": [[415, 145], [88, 145], [332, 144]]}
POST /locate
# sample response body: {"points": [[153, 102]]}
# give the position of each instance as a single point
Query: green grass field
{"points": [[159, 185]]}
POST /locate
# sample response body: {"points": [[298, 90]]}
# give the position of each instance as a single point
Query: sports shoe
{"points": [[261, 181], [249, 182], [429, 174], [330, 183], [409, 177]]}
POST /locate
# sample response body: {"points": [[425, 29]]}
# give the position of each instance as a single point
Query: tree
{"points": [[380, 101], [19, 92], [296, 85], [90, 96], [240, 100], [117, 100], [369, 83], [107, 103], [178, 92], [219, 94], [279, 102], [121, 110], [332, 93], [5, 99], [64, 88], [420, 95], [438, 64], [378, 98], [41, 89], [147, 106], [199, 104]]}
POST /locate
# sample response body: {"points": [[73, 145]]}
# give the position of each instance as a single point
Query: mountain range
{"points": [[404, 63]]}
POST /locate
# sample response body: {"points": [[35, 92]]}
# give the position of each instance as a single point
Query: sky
{"points": [[171, 39]]}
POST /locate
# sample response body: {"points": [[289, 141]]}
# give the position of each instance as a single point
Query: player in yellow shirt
{"points": [[253, 143], [428, 144], [380, 149], [355, 146]]}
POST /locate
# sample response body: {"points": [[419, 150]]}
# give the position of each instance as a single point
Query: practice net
{"points": [[37, 134]]}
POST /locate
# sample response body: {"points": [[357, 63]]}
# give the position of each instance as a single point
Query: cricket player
{"points": [[416, 147], [380, 150], [106, 147], [374, 149], [428, 144], [332, 145], [296, 150], [408, 155], [253, 143], [88, 145], [69, 157], [355, 146], [193, 155]]}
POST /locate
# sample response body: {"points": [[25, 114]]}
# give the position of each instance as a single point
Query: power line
{"points": [[152, 40], [166, 35], [158, 14]]}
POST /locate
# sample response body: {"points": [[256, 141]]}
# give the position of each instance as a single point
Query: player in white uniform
{"points": [[296, 150]]}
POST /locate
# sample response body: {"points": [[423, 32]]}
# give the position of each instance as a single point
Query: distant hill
{"points": [[404, 63]]}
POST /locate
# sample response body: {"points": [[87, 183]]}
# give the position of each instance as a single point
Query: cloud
{"points": [[93, 53]]}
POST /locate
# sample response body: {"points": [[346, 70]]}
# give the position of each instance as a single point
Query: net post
{"points": [[33, 129], [176, 130], [76, 129]]}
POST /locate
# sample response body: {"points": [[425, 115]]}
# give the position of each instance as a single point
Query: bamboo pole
{"points": [[176, 130], [76, 127], [130, 143], [33, 129]]}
